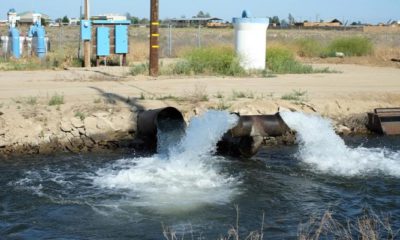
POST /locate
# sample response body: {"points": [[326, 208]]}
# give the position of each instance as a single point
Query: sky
{"points": [[366, 11]]}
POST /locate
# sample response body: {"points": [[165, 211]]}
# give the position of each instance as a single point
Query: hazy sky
{"points": [[372, 11]]}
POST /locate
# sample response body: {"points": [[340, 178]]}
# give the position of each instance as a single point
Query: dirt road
{"points": [[99, 105]]}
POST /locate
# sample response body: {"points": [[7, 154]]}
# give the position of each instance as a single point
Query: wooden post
{"points": [[154, 38], [86, 43]]}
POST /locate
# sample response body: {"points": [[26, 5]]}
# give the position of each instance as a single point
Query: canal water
{"points": [[125, 195]]}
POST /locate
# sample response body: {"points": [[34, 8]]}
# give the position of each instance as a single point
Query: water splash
{"points": [[327, 152], [185, 178]]}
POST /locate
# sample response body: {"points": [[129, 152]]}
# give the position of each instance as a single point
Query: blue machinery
{"points": [[107, 37], [37, 35], [36, 39]]}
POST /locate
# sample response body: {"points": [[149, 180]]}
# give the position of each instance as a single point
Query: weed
{"points": [[140, 69], [31, 101], [351, 46], [142, 96], [199, 94], [56, 99], [182, 68], [295, 95], [97, 100], [308, 47], [281, 60], [223, 105], [219, 95], [210, 60], [169, 97], [80, 115]]}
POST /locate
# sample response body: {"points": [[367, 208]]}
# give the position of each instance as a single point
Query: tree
{"points": [[201, 14], [291, 19], [274, 20], [65, 19]]}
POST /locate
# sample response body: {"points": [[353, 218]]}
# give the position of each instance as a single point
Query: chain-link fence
{"points": [[174, 41]]}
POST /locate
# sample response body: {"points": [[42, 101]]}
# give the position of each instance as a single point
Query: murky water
{"points": [[123, 196]]}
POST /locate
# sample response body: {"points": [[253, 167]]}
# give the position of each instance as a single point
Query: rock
{"points": [[2, 142], [65, 126], [100, 114], [339, 54], [75, 132], [90, 126], [77, 122], [343, 130]]}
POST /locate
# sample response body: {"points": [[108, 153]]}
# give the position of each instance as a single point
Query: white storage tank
{"points": [[251, 41]]}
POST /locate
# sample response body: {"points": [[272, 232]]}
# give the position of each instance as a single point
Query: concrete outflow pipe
{"points": [[244, 139]]}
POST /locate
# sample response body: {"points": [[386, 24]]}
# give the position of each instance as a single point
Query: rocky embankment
{"points": [[48, 132]]}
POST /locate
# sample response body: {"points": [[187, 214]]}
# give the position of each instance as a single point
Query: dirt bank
{"points": [[86, 110]]}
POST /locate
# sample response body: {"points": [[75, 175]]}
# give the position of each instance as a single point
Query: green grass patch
{"points": [[139, 69], [308, 47], [351, 46], [295, 95], [56, 100], [80, 115], [281, 60], [210, 60]]}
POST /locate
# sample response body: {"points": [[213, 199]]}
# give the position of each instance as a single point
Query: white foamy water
{"points": [[327, 152], [186, 177]]}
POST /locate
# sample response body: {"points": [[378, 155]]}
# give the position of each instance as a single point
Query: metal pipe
{"points": [[260, 125], [151, 121], [246, 138]]}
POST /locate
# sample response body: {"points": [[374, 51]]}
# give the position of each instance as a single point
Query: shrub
{"points": [[308, 47], [281, 60], [351, 46], [139, 69], [210, 60], [56, 99]]}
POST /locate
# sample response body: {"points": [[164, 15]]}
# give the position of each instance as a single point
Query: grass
{"points": [[367, 227], [222, 105], [309, 47], [281, 60], [295, 95], [351, 46], [242, 94], [210, 60], [139, 69], [80, 115], [56, 100]]}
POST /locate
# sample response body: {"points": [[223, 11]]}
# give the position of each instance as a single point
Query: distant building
{"points": [[109, 17], [74, 21], [189, 22], [333, 23], [27, 18], [3, 22]]}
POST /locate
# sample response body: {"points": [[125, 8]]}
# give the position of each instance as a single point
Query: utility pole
{"points": [[154, 38], [86, 43]]}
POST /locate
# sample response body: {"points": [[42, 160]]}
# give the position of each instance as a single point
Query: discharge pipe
{"points": [[246, 138], [150, 122]]}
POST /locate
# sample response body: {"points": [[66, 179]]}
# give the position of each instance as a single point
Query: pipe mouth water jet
{"points": [[244, 139]]}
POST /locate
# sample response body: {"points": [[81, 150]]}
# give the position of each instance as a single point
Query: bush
{"points": [[351, 46], [56, 99], [139, 69], [281, 60], [210, 60], [308, 47]]}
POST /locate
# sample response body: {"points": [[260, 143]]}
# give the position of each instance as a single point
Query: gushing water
{"points": [[327, 152], [185, 176]]}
